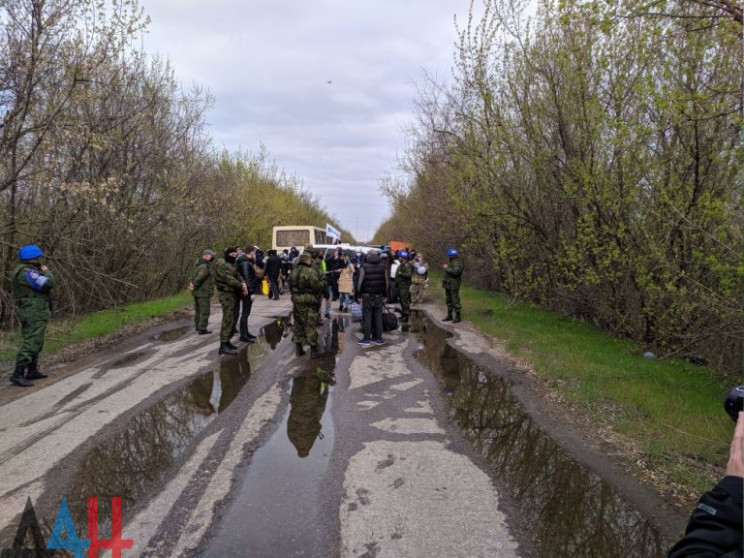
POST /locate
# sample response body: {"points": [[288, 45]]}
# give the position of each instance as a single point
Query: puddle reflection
{"points": [[275, 511], [569, 511], [171, 334], [131, 462]]}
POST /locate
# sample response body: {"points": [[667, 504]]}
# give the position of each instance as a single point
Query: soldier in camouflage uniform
{"points": [[32, 282], [451, 284], [403, 278], [306, 285], [202, 288], [229, 289]]}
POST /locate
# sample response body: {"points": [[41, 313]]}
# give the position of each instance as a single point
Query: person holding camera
{"points": [[32, 283], [715, 526]]}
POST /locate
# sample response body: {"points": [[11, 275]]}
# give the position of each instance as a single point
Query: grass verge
{"points": [[671, 410], [64, 331]]}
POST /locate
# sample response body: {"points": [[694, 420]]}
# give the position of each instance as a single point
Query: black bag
{"points": [[389, 319]]}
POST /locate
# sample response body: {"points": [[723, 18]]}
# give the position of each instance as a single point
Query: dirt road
{"points": [[386, 451]]}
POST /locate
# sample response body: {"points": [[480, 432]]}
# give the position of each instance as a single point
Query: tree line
{"points": [[106, 163], [588, 157]]}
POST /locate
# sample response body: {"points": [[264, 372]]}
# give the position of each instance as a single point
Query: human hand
{"points": [[445, 266], [245, 289], [735, 467], [44, 268]]}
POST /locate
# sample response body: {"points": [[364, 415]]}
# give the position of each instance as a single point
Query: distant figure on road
{"points": [[451, 283], [202, 289], [418, 281], [247, 272], [306, 285], [32, 282], [230, 288], [715, 526], [345, 284], [273, 269], [403, 276]]}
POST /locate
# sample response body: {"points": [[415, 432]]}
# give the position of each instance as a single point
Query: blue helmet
{"points": [[452, 253], [405, 255], [29, 252]]}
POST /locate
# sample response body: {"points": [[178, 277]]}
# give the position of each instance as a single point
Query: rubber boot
{"points": [[299, 351], [227, 349], [233, 347], [251, 336], [457, 319], [449, 316], [33, 372], [19, 376], [314, 352]]}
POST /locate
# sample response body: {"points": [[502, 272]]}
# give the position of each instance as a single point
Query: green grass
{"points": [[62, 332], [671, 409]]}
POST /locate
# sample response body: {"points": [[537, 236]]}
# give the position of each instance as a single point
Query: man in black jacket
{"points": [[372, 286], [715, 526], [246, 271], [273, 268]]}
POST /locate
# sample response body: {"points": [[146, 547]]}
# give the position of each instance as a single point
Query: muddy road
{"points": [[426, 446]]}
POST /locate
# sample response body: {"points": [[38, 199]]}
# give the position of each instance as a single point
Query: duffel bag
{"points": [[389, 319]]}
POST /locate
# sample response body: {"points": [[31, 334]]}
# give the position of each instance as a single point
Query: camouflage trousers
{"points": [[404, 293], [417, 293], [453, 299], [32, 334], [305, 324], [230, 303], [201, 312]]}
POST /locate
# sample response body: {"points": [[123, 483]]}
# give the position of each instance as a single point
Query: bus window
{"points": [[296, 237]]}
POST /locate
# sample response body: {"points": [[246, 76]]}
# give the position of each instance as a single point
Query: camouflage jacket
{"points": [[31, 288], [226, 277], [453, 275], [203, 278], [306, 285]]}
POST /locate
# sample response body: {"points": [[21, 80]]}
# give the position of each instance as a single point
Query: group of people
{"points": [[715, 526]]}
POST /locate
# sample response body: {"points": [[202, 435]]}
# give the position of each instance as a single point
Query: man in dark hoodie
{"points": [[245, 264], [273, 268], [372, 286]]}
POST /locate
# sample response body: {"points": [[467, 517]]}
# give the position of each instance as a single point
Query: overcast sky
{"points": [[268, 64]]}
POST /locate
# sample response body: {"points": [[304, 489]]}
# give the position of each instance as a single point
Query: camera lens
{"points": [[734, 402]]}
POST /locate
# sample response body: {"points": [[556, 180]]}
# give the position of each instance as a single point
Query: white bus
{"points": [[299, 236]]}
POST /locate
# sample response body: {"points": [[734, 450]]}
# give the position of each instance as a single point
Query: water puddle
{"points": [[169, 335], [131, 358], [279, 490], [567, 510], [130, 462]]}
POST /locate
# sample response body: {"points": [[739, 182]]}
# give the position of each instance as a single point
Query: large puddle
{"points": [[130, 462], [567, 510], [279, 492]]}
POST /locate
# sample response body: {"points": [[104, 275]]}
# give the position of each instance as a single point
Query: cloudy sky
{"points": [[327, 86]]}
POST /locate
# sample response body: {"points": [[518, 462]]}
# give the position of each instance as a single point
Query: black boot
{"points": [[449, 316], [299, 351], [314, 352], [233, 347], [19, 376], [251, 336], [203, 331], [227, 349], [33, 372], [457, 319]]}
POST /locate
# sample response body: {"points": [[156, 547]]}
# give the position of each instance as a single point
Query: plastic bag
{"points": [[356, 312]]}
